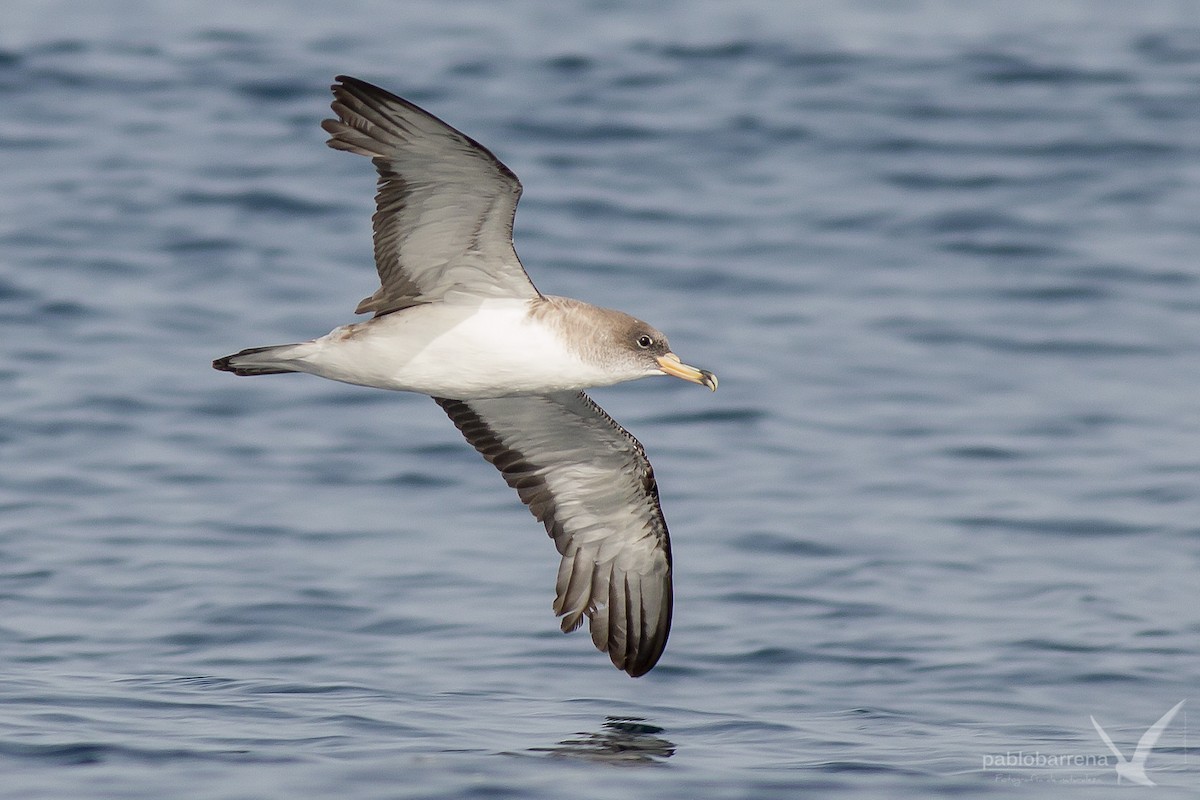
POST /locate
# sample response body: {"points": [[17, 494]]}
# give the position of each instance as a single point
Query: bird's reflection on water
{"points": [[620, 740]]}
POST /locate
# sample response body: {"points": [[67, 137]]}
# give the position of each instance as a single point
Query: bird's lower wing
{"points": [[588, 480]]}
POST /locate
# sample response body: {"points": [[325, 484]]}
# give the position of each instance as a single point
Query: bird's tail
{"points": [[271, 360]]}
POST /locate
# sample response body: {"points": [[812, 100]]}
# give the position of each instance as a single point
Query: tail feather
{"points": [[255, 361]]}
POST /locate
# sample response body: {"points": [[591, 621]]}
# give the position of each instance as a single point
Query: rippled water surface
{"points": [[943, 510]]}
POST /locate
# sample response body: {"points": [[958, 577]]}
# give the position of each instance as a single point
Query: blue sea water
{"points": [[944, 509]]}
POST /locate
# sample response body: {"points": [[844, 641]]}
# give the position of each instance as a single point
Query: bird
{"points": [[456, 317], [1134, 769]]}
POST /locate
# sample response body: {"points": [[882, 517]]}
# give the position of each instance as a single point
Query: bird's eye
{"points": [[644, 341]]}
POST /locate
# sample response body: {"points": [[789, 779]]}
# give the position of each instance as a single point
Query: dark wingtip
{"points": [[641, 663], [347, 82]]}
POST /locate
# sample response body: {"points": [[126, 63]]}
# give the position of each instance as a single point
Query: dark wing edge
{"points": [[589, 482], [394, 134]]}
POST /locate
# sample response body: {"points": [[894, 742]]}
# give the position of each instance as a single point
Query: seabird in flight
{"points": [[456, 318]]}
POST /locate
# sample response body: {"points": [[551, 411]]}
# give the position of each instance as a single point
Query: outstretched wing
{"points": [[445, 207], [588, 480]]}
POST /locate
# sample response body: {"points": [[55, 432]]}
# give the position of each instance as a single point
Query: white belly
{"points": [[457, 351]]}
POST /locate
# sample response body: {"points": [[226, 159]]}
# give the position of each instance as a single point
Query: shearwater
{"points": [[457, 318]]}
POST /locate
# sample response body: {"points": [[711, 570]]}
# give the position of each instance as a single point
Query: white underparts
{"points": [[486, 349]]}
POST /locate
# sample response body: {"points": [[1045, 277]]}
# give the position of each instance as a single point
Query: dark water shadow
{"points": [[620, 740]]}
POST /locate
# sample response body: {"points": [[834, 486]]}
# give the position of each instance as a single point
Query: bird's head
{"points": [[650, 348]]}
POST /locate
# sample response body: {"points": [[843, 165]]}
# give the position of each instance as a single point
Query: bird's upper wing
{"points": [[588, 480], [445, 207]]}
